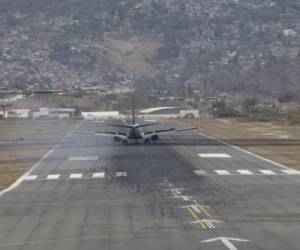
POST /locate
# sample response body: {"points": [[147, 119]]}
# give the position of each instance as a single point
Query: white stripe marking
{"points": [[21, 178], [200, 172], [222, 172], [83, 158], [246, 151], [214, 155], [53, 176], [30, 177], [291, 172], [75, 176], [267, 172], [245, 172], [120, 174], [99, 175]]}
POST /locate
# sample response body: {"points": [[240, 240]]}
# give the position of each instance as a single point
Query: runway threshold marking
{"points": [[222, 172], [291, 172], [30, 177], [244, 172], [95, 175], [83, 158], [53, 176], [267, 172], [121, 174], [214, 155], [200, 172], [99, 175], [76, 176], [240, 172]]}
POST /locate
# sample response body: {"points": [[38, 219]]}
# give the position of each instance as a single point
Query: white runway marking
{"points": [[267, 172], [209, 223], [222, 172], [241, 172], [75, 176], [199, 172], [53, 176], [28, 173], [120, 174], [30, 177], [83, 158], [246, 152], [226, 241], [84, 176], [245, 172], [291, 172], [99, 175], [183, 197], [194, 207], [214, 155]]}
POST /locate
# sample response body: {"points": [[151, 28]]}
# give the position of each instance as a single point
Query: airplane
{"points": [[134, 132]]}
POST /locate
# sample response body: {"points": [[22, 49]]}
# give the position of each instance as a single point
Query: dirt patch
{"points": [[277, 143], [23, 143]]}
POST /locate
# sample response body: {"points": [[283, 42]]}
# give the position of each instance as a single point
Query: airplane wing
{"points": [[165, 131], [147, 124], [108, 134], [119, 125]]}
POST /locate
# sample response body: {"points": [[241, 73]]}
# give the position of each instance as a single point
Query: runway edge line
{"points": [[22, 177], [245, 151]]}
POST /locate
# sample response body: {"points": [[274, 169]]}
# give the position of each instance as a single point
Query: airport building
{"points": [[100, 115]]}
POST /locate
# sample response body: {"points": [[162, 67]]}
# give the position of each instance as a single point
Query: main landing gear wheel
{"points": [[124, 142], [147, 141]]}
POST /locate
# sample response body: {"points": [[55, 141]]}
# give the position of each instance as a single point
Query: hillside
{"points": [[234, 46]]}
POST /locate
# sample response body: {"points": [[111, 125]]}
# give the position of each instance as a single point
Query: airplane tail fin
{"points": [[133, 111]]}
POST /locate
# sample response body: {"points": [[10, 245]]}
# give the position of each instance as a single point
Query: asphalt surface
{"points": [[92, 193]]}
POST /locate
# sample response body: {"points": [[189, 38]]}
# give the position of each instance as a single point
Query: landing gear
{"points": [[117, 139], [124, 142], [147, 141]]}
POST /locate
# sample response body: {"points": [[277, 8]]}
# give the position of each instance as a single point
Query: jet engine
{"points": [[154, 138], [117, 139]]}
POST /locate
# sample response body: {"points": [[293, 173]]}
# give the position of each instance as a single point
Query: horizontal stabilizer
{"points": [[119, 125], [132, 125], [146, 125]]}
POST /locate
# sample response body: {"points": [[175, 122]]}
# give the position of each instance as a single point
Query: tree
{"points": [[249, 104], [222, 109]]}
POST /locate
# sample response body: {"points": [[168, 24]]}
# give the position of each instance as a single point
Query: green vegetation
{"points": [[293, 117], [253, 111], [249, 104], [243, 47], [222, 109]]}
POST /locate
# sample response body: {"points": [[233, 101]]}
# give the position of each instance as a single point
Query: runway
{"points": [[185, 191]]}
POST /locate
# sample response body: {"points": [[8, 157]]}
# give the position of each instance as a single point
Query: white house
{"points": [[99, 115], [289, 32]]}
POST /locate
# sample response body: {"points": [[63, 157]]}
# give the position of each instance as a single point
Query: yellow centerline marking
{"points": [[173, 192], [202, 208], [196, 218], [192, 213]]}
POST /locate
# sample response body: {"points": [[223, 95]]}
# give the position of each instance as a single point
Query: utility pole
{"points": [[3, 109], [4, 105]]}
